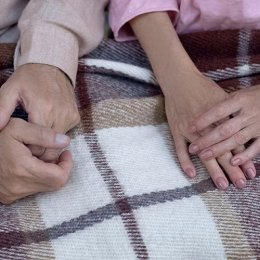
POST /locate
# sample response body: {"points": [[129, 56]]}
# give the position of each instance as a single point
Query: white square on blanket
{"points": [[182, 229], [84, 192], [105, 241], [141, 158]]}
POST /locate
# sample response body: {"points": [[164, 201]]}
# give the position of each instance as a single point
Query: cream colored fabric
{"points": [[53, 32]]}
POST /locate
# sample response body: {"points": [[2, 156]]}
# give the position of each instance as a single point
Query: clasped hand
{"points": [[192, 96], [242, 109], [31, 157]]}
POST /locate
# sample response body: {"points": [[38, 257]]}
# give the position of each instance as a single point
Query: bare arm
{"points": [[187, 93], [163, 48]]}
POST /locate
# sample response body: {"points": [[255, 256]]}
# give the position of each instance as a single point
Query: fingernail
{"points": [[207, 154], [190, 173], [250, 173], [221, 183], [193, 148], [236, 162], [240, 184], [61, 139]]}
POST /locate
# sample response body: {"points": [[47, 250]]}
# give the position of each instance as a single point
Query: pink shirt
{"points": [[191, 15]]}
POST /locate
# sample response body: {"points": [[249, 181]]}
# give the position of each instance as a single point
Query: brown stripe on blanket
{"points": [[234, 240], [137, 112], [13, 239], [124, 52], [106, 212], [206, 50], [255, 80], [106, 86], [113, 185], [254, 48], [10, 222], [242, 207], [110, 210], [17, 238], [4, 75], [6, 54], [246, 205], [40, 251], [30, 219], [209, 54], [216, 50], [232, 85]]}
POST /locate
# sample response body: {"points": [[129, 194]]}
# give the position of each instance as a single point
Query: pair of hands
{"points": [[242, 109], [188, 95], [224, 143], [31, 157]]}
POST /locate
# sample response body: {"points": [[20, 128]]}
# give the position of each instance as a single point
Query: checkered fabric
{"points": [[128, 197]]}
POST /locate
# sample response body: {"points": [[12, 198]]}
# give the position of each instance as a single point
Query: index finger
{"points": [[37, 135], [215, 114]]}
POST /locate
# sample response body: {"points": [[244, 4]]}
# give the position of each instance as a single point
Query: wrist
{"points": [[177, 78], [44, 72], [43, 68]]}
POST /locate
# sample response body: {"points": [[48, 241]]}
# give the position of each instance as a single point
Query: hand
{"points": [[46, 94], [244, 107], [185, 103], [22, 174], [187, 93]]}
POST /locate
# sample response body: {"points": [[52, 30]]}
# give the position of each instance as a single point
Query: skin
{"points": [[243, 126], [187, 95], [47, 95], [30, 159], [21, 173]]}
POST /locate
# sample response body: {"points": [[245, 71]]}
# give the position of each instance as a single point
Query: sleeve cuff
{"points": [[49, 44], [120, 15]]}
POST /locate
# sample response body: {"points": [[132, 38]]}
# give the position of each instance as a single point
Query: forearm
{"points": [[57, 32], [163, 48]]}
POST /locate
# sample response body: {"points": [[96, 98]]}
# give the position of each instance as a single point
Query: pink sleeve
{"points": [[122, 11]]}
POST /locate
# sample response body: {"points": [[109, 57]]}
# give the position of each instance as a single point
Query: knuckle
{"points": [[50, 155], [240, 138], [47, 107], [37, 150], [31, 166], [225, 131]]}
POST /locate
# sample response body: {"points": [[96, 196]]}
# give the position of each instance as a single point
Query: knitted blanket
{"points": [[127, 197]]}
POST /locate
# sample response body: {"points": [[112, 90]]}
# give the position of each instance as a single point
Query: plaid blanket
{"points": [[127, 197]]}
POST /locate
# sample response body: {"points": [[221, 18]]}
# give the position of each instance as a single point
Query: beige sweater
{"points": [[53, 32]]}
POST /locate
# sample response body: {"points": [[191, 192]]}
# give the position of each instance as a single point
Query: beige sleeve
{"points": [[57, 32]]}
